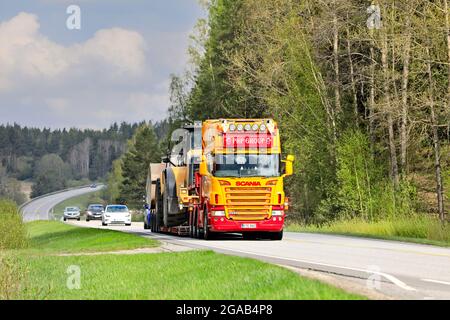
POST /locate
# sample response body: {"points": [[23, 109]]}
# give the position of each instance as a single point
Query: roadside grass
{"points": [[56, 237], [12, 237], [178, 276], [82, 202], [12, 229], [423, 230], [32, 268]]}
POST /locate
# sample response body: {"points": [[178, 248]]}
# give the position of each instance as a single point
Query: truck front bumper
{"points": [[218, 224]]}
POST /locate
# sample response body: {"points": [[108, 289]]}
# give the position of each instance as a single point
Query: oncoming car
{"points": [[94, 212], [116, 214], [72, 213]]}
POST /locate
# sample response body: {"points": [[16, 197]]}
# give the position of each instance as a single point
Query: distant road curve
{"points": [[40, 209]]}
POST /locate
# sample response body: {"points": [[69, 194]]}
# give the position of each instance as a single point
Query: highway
{"points": [[378, 268], [40, 209]]}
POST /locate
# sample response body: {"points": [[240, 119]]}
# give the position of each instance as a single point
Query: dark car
{"points": [[95, 212]]}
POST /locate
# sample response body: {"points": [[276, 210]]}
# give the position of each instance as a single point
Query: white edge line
{"points": [[436, 281], [391, 278]]}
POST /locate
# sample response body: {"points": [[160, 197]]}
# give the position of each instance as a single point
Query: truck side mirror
{"points": [[203, 168], [289, 170]]}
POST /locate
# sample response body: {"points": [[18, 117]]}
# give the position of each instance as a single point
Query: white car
{"points": [[72, 213], [116, 214]]}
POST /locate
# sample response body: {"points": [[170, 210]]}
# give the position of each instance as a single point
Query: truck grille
{"points": [[248, 204]]}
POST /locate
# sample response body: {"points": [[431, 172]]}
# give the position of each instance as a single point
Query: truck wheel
{"points": [[276, 236], [191, 226], [207, 235], [154, 227], [250, 235], [196, 228]]}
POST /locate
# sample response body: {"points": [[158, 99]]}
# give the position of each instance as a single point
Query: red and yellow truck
{"points": [[224, 176]]}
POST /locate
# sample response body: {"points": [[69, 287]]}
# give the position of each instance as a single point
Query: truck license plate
{"points": [[249, 226]]}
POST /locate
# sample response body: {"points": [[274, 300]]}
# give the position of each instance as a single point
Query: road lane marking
{"points": [[336, 244], [391, 278], [437, 281]]}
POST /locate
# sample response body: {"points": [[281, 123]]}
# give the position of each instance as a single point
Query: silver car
{"points": [[72, 213]]}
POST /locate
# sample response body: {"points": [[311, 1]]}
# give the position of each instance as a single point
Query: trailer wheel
{"points": [[146, 226], [158, 214], [191, 225]]}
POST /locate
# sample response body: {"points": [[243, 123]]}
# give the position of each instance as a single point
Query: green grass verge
{"points": [[56, 237], [44, 273], [188, 275], [82, 202], [421, 230]]}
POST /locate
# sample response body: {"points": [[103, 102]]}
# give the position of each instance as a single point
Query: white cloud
{"points": [[114, 75], [27, 55]]}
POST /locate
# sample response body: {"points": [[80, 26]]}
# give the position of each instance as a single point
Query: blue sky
{"points": [[116, 68]]}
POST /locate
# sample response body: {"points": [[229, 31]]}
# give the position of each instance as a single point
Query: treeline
{"points": [[56, 159], [360, 89]]}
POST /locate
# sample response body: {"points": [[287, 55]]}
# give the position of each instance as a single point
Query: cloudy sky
{"points": [[115, 68]]}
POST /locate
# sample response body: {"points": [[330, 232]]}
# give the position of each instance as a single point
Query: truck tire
{"points": [[196, 228], [250, 235], [191, 225], [276, 236], [207, 235]]}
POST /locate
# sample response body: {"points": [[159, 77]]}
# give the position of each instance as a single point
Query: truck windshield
{"points": [[246, 165]]}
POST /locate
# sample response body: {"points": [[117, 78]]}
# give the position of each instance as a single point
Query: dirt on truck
{"points": [[224, 176]]}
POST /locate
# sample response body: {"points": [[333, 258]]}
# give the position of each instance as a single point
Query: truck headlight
{"points": [[218, 213], [277, 213]]}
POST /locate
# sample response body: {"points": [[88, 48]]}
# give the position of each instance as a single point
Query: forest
{"points": [[56, 159], [360, 89]]}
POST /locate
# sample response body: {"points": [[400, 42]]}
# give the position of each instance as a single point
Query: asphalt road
{"points": [[393, 269], [41, 208]]}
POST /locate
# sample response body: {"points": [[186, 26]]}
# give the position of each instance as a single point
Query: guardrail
{"points": [[51, 194]]}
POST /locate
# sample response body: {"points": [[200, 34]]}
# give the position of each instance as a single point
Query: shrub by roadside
{"points": [[415, 228], [13, 234]]}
